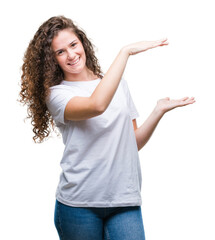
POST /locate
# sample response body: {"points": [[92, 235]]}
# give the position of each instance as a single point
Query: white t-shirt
{"points": [[100, 163]]}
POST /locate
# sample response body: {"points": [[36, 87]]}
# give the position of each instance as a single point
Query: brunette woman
{"points": [[99, 192]]}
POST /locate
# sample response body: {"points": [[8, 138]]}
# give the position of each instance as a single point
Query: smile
{"points": [[74, 62]]}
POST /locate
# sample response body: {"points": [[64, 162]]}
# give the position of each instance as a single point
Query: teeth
{"points": [[75, 62]]}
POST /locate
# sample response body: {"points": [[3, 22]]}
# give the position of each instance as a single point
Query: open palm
{"points": [[166, 104], [142, 46]]}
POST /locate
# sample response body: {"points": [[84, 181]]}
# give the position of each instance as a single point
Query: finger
{"points": [[165, 43], [188, 102], [184, 98], [158, 43], [190, 99], [162, 40]]}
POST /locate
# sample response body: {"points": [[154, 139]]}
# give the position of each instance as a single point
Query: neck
{"points": [[86, 75]]}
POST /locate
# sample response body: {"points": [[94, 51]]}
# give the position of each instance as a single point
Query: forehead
{"points": [[63, 38]]}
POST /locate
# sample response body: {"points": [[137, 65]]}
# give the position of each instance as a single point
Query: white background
{"points": [[177, 162]]}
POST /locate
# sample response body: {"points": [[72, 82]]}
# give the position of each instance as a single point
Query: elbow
{"points": [[138, 147], [100, 109], [95, 107]]}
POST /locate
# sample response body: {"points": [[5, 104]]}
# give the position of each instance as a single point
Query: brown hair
{"points": [[40, 71]]}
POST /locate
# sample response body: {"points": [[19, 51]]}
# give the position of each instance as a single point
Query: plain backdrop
{"points": [[178, 161]]}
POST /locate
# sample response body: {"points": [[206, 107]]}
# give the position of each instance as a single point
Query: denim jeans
{"points": [[90, 223]]}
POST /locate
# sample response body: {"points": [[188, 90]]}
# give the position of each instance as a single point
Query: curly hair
{"points": [[40, 71]]}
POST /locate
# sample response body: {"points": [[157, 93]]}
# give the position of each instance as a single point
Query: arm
{"points": [[106, 89], [144, 132], [80, 108]]}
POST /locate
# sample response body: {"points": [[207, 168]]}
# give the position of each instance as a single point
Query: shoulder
{"points": [[59, 87], [58, 93]]}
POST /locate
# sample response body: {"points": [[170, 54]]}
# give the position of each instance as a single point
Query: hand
{"points": [[138, 47], [164, 105]]}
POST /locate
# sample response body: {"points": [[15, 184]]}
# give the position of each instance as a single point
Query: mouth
{"points": [[74, 62]]}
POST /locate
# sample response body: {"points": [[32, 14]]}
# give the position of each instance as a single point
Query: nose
{"points": [[70, 54]]}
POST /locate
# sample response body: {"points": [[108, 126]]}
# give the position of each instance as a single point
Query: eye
{"points": [[60, 52], [73, 45]]}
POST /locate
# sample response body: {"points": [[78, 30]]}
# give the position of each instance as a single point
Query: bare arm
{"points": [[106, 89], [80, 108], [144, 132]]}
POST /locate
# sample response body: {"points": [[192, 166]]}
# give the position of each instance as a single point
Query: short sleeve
{"points": [[132, 108], [57, 101]]}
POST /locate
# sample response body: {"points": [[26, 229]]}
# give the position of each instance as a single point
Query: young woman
{"points": [[99, 192]]}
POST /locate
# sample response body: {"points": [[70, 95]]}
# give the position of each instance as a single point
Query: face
{"points": [[69, 53]]}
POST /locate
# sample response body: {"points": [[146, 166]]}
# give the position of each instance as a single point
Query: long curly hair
{"points": [[40, 71]]}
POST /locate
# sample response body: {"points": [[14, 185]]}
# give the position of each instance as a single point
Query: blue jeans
{"points": [[89, 223]]}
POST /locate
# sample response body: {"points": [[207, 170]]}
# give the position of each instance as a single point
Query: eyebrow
{"points": [[68, 44]]}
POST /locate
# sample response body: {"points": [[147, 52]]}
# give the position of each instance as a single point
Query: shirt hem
{"points": [[135, 202]]}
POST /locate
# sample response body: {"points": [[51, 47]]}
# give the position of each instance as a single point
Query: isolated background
{"points": [[178, 161]]}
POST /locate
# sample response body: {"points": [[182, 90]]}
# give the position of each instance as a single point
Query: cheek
{"points": [[83, 54], [81, 50], [60, 60]]}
